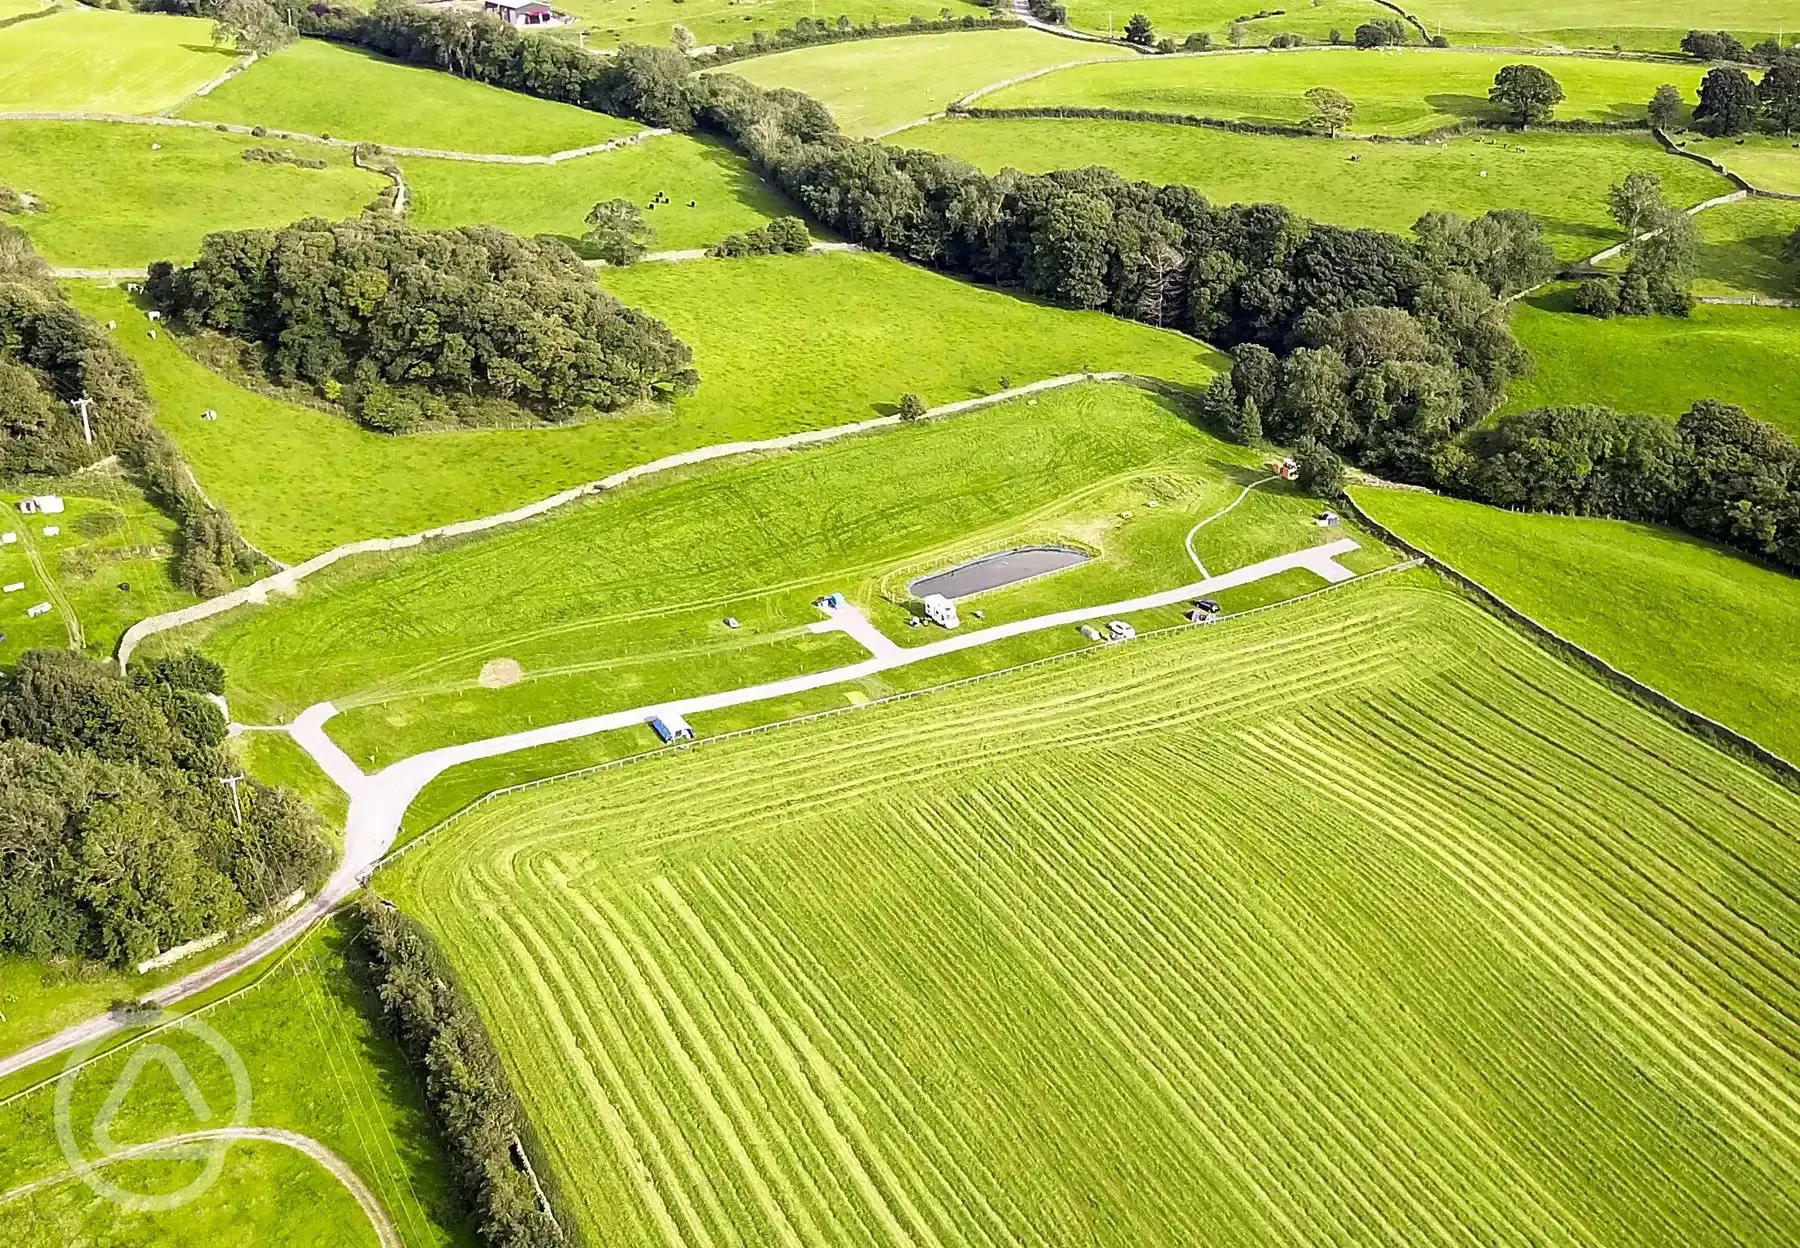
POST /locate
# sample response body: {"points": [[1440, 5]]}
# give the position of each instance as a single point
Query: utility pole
{"points": [[232, 782], [81, 405]]}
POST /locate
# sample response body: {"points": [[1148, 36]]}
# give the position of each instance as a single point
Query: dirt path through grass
{"points": [[329, 1161]]}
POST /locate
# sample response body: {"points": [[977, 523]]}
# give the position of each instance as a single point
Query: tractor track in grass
{"points": [[305, 1145]]}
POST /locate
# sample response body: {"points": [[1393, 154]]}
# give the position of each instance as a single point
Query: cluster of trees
{"points": [[1662, 249], [1722, 45], [117, 839], [50, 357], [782, 236], [465, 1084], [1387, 32], [1416, 322], [407, 326], [1374, 347], [1730, 103], [1716, 472]]}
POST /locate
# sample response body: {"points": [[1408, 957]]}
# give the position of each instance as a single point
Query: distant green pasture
{"points": [[314, 87], [1741, 246], [1768, 162], [1713, 629], [1179, 18], [611, 22], [554, 199], [1661, 364], [877, 84], [1654, 25], [121, 196], [1562, 179], [103, 60], [1395, 92]]}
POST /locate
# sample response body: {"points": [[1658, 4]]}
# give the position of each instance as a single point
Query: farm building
{"points": [[671, 727], [941, 611], [525, 13], [42, 504]]}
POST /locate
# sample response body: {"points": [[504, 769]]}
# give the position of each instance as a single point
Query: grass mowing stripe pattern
{"points": [[1281, 932]]}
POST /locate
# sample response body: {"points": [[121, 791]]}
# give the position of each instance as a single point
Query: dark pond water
{"points": [[1009, 567]]}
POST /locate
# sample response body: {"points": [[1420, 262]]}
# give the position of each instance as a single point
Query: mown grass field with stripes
{"points": [[1280, 932]]}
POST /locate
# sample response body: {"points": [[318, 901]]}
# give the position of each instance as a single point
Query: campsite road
{"points": [[333, 1164], [378, 803]]}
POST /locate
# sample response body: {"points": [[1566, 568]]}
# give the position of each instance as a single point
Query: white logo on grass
{"points": [[206, 1118]]}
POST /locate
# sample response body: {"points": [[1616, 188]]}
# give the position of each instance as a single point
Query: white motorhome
{"points": [[941, 611]]}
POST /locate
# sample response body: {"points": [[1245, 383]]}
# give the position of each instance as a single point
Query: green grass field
{"points": [[1407, 93], [1560, 178], [555, 199], [121, 196], [876, 85], [1179, 18], [1741, 246], [108, 566], [102, 60], [616, 604], [610, 22], [1648, 25], [772, 367], [1767, 162], [313, 87], [1099, 953], [317, 1065], [1712, 629], [1748, 356]]}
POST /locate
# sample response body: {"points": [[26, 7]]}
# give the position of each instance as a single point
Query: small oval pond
{"points": [[1008, 567]]}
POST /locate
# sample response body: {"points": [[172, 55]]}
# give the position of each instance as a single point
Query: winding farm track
{"points": [[378, 803], [329, 1161]]}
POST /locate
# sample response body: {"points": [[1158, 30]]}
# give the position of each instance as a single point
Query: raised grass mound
{"points": [[946, 971]]}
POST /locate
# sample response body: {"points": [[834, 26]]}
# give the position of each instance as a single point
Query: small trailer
{"points": [[671, 727], [42, 608]]}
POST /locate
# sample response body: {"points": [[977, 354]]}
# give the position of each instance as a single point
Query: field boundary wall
{"points": [[1702, 726], [615, 764]]}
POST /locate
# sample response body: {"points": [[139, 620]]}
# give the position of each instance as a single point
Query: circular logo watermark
{"points": [[209, 1141]]}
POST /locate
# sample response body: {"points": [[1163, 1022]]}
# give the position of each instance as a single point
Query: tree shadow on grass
{"points": [[230, 54], [1464, 107]]}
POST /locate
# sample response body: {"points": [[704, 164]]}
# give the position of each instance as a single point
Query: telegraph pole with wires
{"points": [[81, 405], [232, 782]]}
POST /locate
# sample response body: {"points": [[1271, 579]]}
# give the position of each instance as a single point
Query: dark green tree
{"points": [[1727, 102], [1779, 92], [1527, 94], [617, 232], [1665, 106], [1321, 472], [1139, 31], [911, 406]]}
